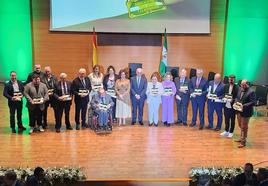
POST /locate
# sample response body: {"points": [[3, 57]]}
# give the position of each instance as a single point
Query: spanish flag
{"points": [[94, 46]]}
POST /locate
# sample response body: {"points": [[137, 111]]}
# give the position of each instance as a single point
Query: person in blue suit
{"points": [[138, 95], [182, 97], [215, 95], [198, 92]]}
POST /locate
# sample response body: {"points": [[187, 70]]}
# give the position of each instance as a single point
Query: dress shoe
{"points": [[140, 122], [13, 130], [217, 129], [192, 125], [201, 128], [165, 123], [58, 130], [44, 126], [179, 122], [208, 127], [77, 127], [156, 125], [69, 128], [150, 124], [22, 127], [241, 145], [185, 124], [132, 123]]}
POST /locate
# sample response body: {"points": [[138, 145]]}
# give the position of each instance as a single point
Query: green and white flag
{"points": [[163, 62]]}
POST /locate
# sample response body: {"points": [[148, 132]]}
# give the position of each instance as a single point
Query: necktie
{"points": [[139, 79], [102, 100], [197, 82], [83, 82], [63, 88]]}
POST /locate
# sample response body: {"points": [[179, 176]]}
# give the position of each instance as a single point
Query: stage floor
{"points": [[130, 152]]}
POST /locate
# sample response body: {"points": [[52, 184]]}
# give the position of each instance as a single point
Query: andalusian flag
{"points": [[163, 62], [94, 46]]}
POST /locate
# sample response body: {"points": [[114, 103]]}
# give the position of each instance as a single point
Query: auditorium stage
{"points": [[130, 152]]}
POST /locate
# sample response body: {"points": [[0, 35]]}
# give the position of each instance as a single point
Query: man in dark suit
{"points": [[50, 81], [37, 71], [230, 90], [198, 92], [37, 178], [63, 96], [138, 88], [182, 97], [36, 94], [246, 178], [81, 87], [215, 95], [247, 97], [13, 91]]}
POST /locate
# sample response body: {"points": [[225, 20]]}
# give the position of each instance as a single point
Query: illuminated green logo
{"points": [[138, 8]]}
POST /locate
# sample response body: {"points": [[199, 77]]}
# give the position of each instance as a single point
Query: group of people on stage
{"points": [[121, 98]]}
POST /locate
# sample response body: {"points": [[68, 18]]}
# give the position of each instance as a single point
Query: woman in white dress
{"points": [[154, 92], [123, 107]]}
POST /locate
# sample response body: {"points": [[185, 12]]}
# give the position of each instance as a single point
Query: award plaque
{"points": [[83, 92], [38, 101], [96, 87], [238, 106], [111, 92], [227, 98], [167, 91], [138, 8], [154, 91], [197, 92], [212, 96], [183, 88], [50, 91], [17, 96], [103, 107]]}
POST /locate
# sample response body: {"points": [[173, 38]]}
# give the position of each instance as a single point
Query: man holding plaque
{"points": [[244, 103], [102, 104], [182, 97], [63, 96], [198, 91], [230, 93], [13, 91], [50, 80], [215, 95], [36, 94], [81, 88]]}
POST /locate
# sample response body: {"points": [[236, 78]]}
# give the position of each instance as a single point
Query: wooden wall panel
{"points": [[68, 51]]}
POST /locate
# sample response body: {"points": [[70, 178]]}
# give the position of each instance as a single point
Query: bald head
{"points": [[63, 76], [244, 84], [217, 78], [139, 71], [82, 73], [47, 70]]}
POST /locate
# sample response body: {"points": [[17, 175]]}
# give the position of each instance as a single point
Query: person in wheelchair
{"points": [[102, 105]]}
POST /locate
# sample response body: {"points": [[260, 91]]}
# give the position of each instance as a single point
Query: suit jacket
{"points": [[184, 96], [106, 78], [97, 99], [240, 180], [202, 85], [219, 91], [264, 183], [140, 90], [50, 85], [76, 85], [30, 93], [248, 100], [58, 90], [9, 91], [234, 91]]}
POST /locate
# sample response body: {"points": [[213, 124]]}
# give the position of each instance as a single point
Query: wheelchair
{"points": [[94, 123]]}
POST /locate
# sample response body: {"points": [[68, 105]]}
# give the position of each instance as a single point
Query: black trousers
{"points": [[80, 107], [229, 116], [63, 106], [44, 117], [13, 107], [35, 116]]}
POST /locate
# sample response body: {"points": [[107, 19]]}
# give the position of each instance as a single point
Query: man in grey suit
{"points": [[102, 104], [36, 94], [138, 95]]}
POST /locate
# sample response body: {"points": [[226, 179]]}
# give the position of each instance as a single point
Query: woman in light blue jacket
{"points": [[154, 92]]}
